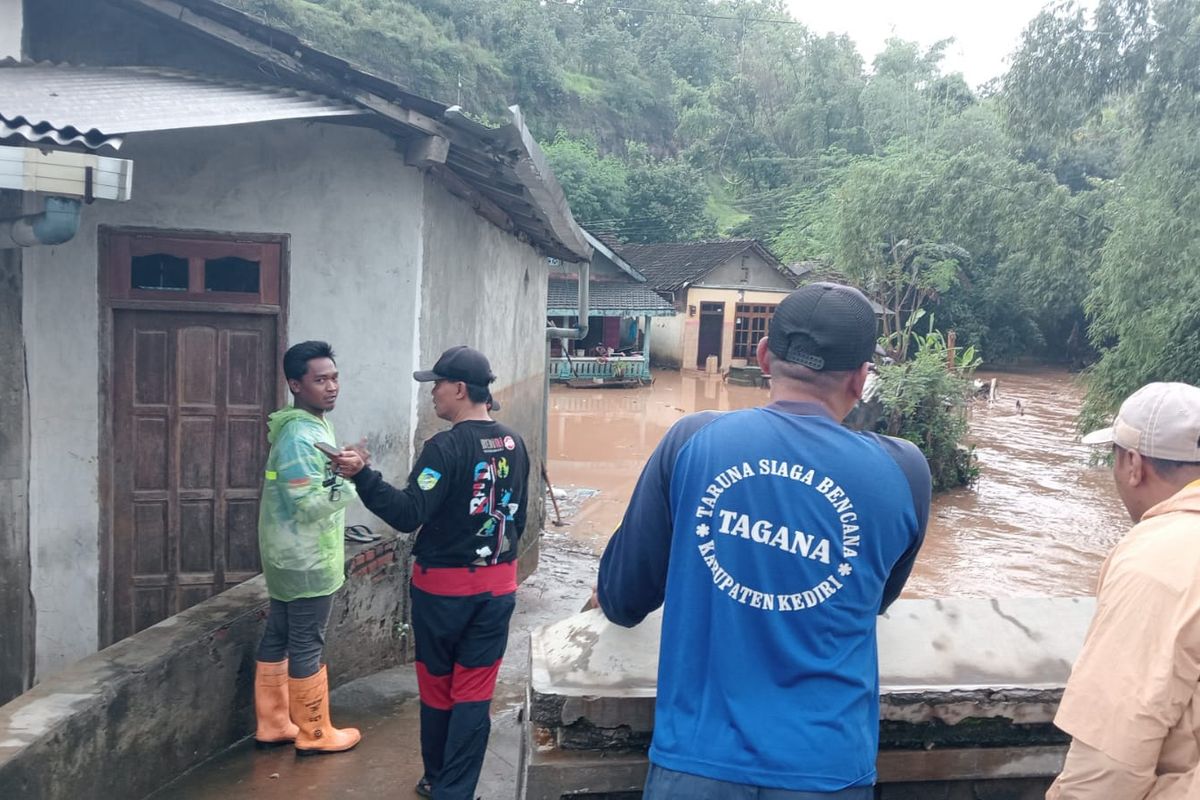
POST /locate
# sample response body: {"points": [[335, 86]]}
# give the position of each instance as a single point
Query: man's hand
{"points": [[593, 601], [361, 449], [350, 461]]}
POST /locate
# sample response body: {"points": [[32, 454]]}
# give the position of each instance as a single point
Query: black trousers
{"points": [[460, 643], [296, 631]]}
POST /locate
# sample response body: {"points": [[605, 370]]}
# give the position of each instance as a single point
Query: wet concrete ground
{"points": [[1038, 522], [387, 763]]}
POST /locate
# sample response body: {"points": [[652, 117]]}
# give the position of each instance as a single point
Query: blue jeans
{"points": [[296, 631], [666, 784]]}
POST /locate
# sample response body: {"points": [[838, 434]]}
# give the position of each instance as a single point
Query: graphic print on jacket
{"points": [[466, 493], [500, 514]]}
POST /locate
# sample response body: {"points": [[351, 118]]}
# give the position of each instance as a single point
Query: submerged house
{"points": [[724, 293], [621, 306], [207, 190]]}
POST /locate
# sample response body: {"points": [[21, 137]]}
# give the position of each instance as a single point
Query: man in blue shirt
{"points": [[772, 536]]}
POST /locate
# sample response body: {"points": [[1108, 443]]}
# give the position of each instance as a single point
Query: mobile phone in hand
{"points": [[327, 449]]}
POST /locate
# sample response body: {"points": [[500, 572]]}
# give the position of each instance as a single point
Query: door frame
{"points": [[720, 332], [107, 255]]}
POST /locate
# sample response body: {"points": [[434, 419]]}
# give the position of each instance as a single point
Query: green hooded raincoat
{"points": [[300, 521]]}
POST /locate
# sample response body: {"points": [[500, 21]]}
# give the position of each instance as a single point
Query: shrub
{"points": [[926, 402]]}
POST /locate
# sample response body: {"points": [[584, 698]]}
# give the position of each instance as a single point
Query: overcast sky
{"points": [[985, 33]]}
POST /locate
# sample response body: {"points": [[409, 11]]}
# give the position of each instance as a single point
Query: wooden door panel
{"points": [[150, 538], [244, 389], [245, 446], [241, 554], [195, 537], [191, 392], [197, 452]]}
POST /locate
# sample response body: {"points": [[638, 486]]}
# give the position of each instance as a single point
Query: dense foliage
{"points": [[926, 400], [1050, 214]]}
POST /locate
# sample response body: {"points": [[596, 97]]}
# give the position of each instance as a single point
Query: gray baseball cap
{"points": [[1160, 420]]}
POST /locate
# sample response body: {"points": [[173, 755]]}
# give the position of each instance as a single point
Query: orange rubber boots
{"points": [[310, 711]]}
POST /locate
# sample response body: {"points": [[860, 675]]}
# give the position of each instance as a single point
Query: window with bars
{"points": [[750, 325]]}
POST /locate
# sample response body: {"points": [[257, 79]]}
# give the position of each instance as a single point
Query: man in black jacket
{"points": [[467, 494]]}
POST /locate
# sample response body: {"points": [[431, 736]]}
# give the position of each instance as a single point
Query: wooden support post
{"points": [[427, 151], [646, 344], [951, 356]]}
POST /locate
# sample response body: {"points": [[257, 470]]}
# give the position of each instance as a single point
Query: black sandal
{"points": [[424, 788], [359, 534]]}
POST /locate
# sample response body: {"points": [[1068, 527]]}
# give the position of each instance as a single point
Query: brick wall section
{"points": [[373, 560]]}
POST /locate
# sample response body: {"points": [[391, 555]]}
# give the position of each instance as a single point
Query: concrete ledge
{"points": [[968, 692], [125, 721]]}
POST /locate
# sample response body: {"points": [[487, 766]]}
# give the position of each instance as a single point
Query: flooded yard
{"points": [[1038, 522]]}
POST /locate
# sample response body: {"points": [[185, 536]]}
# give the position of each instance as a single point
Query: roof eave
{"points": [[612, 256], [553, 229]]}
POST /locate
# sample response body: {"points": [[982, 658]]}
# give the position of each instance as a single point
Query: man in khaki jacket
{"points": [[1132, 704]]}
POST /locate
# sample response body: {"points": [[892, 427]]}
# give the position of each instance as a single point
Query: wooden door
{"points": [[191, 392], [712, 321]]}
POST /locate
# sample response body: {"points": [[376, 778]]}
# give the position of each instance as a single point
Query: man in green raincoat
{"points": [[300, 525]]}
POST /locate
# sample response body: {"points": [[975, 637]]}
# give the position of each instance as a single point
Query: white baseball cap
{"points": [[1160, 420]]}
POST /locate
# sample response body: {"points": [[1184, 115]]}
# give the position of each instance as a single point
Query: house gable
{"points": [[749, 270]]}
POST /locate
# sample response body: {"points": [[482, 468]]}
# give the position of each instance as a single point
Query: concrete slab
{"points": [[925, 646], [999, 664]]}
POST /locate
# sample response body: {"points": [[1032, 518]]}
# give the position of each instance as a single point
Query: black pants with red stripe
{"points": [[460, 643]]}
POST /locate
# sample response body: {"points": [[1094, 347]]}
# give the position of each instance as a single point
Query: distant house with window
{"points": [[725, 293], [621, 305]]}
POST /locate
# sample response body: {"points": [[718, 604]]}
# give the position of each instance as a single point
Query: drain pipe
{"points": [[56, 224], [580, 331]]}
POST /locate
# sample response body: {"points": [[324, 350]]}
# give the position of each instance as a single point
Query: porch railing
{"points": [[588, 368]]}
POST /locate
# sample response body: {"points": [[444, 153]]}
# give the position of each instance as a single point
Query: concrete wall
{"points": [[731, 298], [131, 718], [16, 602], [484, 288], [11, 28], [352, 211], [666, 340], [748, 269]]}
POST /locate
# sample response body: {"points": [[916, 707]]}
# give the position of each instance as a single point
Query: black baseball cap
{"points": [[461, 363], [824, 326]]}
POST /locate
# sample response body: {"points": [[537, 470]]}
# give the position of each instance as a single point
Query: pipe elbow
{"points": [[56, 224]]}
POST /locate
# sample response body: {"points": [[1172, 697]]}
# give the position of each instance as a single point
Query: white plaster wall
{"points": [[11, 27], [666, 340], [353, 214], [748, 269], [484, 288]]}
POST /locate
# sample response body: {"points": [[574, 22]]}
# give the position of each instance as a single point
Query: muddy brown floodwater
{"points": [[1037, 523]]}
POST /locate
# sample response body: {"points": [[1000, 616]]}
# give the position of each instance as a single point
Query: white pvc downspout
{"points": [[580, 330]]}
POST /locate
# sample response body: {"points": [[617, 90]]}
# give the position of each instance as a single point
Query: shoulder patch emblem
{"points": [[428, 479]]}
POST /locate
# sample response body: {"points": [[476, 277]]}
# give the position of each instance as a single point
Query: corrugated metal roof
{"points": [[94, 106], [606, 298]]}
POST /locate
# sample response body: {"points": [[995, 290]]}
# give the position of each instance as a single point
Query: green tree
{"points": [[1146, 302], [596, 186], [666, 201]]}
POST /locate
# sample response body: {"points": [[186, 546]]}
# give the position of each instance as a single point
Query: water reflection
{"points": [[1039, 521]]}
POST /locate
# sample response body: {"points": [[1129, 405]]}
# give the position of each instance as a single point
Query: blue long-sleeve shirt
{"points": [[773, 537]]}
